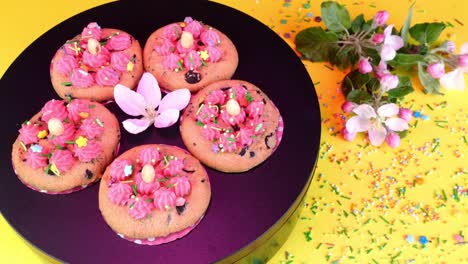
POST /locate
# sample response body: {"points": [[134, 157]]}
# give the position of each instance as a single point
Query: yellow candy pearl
{"points": [[186, 40], [55, 126], [147, 173], [233, 107]]}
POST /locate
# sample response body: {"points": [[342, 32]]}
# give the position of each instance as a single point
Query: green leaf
{"points": [[357, 23], [404, 81], [344, 57], [358, 96], [430, 84], [426, 33], [406, 25], [355, 81], [335, 16], [406, 60], [315, 44], [400, 92]]}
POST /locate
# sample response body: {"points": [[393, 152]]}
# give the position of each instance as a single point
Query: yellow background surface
{"points": [[356, 210]]}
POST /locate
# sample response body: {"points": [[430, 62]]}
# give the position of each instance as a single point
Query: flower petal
{"points": [[136, 126], [464, 48], [396, 42], [129, 101], [387, 53], [177, 99], [377, 134], [388, 31], [396, 124], [148, 87], [357, 124], [166, 118], [365, 111], [453, 80], [388, 110]]}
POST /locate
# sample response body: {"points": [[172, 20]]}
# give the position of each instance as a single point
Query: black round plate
{"points": [[243, 207]]}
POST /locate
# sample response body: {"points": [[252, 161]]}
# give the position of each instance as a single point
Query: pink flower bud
{"points": [[378, 38], [436, 70], [448, 46], [393, 139], [347, 107], [381, 17], [347, 135], [364, 66], [405, 114], [389, 81], [463, 60]]}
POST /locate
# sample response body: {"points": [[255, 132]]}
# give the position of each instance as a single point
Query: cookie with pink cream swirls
{"points": [[231, 126], [154, 194], [92, 63], [66, 146], [189, 54]]}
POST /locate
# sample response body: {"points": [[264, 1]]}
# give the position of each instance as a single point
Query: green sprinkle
{"points": [[166, 160], [69, 142], [351, 257], [69, 99], [385, 220], [455, 195], [415, 124], [131, 205], [191, 59], [176, 29], [67, 84], [258, 127], [430, 107], [435, 146], [91, 106], [98, 121], [133, 59], [170, 185], [317, 83], [134, 188], [369, 232], [231, 139], [214, 120], [200, 123], [424, 211], [441, 121], [367, 221], [59, 147], [375, 261], [248, 97], [444, 195], [48, 168], [396, 256], [181, 67], [307, 236], [319, 245], [327, 257], [345, 197], [162, 179], [149, 200], [368, 251], [338, 201], [203, 62], [328, 67], [345, 213], [464, 139], [382, 246], [334, 134]]}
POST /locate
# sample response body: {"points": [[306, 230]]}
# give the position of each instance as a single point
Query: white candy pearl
{"points": [[147, 173], [233, 107], [186, 40], [94, 46], [55, 127]]}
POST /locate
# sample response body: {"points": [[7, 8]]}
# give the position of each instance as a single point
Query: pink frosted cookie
{"points": [[92, 63], [66, 146], [190, 55], [231, 126], [154, 194]]}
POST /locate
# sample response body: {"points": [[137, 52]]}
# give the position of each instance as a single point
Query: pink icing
{"points": [[240, 95], [36, 160], [81, 78], [171, 61], [146, 188], [210, 37], [96, 60], [68, 135], [117, 169], [28, 133], [119, 61], [119, 42], [92, 30], [91, 129], [183, 50], [214, 54], [172, 32], [149, 156], [72, 48], [174, 167], [194, 27], [107, 77], [207, 113], [140, 207], [255, 109], [246, 136], [164, 198], [233, 120], [180, 201], [63, 159], [165, 47], [66, 64], [227, 145], [215, 97], [192, 60], [180, 185], [54, 109], [76, 107], [210, 133], [88, 152], [119, 193]]}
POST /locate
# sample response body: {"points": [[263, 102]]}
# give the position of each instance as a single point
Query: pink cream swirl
{"points": [[245, 136], [192, 60], [164, 47], [117, 169], [91, 129], [210, 133], [96, 60], [72, 48], [172, 32], [121, 41], [107, 77], [210, 37], [81, 78], [149, 156], [207, 113], [120, 60], [92, 30], [214, 53], [54, 109], [66, 64], [180, 185], [215, 97], [36, 160], [170, 61], [231, 119], [67, 135], [88, 152], [144, 187], [227, 142], [164, 199], [77, 109], [28, 133], [255, 109], [194, 27], [119, 193], [174, 167], [63, 159], [140, 207], [240, 95]]}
